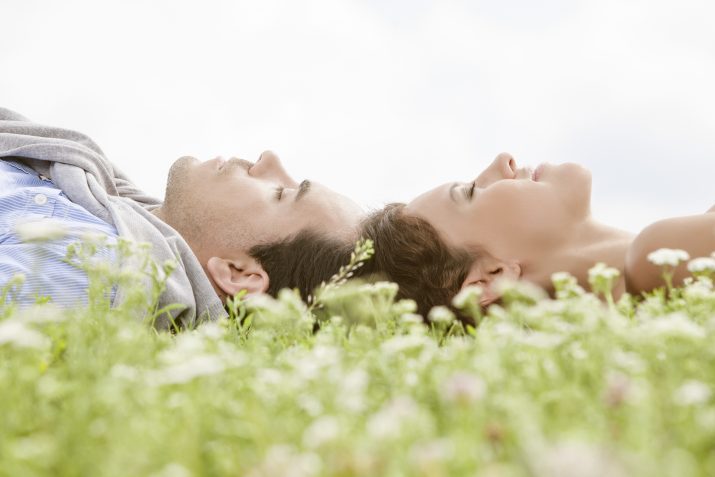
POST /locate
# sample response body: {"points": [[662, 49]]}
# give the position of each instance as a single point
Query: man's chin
{"points": [[184, 161], [178, 175]]}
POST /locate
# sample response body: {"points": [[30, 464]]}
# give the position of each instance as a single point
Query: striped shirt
{"points": [[25, 195]]}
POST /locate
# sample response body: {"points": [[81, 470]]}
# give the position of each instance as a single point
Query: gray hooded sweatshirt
{"points": [[78, 166]]}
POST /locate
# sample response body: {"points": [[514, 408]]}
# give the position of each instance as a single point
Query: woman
{"points": [[521, 224]]}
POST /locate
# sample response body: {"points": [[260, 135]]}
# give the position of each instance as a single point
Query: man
{"points": [[232, 224]]}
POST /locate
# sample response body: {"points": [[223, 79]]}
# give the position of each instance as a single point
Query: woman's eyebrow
{"points": [[303, 189]]}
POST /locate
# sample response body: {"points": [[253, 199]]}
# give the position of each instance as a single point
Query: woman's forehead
{"points": [[433, 197]]}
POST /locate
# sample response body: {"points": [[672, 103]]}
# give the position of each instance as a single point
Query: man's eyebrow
{"points": [[303, 189], [451, 191]]}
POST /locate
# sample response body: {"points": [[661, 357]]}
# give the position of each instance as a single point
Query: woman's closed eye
{"points": [[469, 191], [279, 192]]}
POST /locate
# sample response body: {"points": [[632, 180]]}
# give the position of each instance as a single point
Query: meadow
{"points": [[356, 384]]}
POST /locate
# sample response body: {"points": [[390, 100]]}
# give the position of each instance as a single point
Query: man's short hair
{"points": [[303, 261], [410, 252]]}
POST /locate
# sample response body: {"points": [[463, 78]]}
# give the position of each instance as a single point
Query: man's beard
{"points": [[194, 218], [177, 181]]}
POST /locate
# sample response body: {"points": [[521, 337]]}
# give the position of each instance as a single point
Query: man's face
{"points": [[236, 203]]}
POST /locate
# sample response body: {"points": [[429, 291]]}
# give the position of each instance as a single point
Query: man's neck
{"points": [[590, 242], [201, 255]]}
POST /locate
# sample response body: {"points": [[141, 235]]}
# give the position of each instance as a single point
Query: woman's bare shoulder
{"points": [[693, 233]]}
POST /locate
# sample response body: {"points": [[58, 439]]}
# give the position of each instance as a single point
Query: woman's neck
{"points": [[586, 244]]}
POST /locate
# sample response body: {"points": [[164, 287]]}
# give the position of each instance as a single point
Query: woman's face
{"points": [[505, 211]]}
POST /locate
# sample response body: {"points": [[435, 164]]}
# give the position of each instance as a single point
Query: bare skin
{"points": [[532, 229], [222, 208], [694, 233]]}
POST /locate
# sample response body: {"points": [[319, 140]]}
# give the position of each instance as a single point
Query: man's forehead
{"points": [[331, 210]]}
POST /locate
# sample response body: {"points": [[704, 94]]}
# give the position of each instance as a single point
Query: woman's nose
{"points": [[505, 165], [502, 167]]}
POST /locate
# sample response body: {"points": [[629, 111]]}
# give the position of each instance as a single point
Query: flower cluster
{"points": [[357, 384]]}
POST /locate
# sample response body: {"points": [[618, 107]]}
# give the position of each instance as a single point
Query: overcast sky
{"points": [[382, 100]]}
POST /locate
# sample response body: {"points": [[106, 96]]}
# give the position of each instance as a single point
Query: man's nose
{"points": [[502, 167], [269, 166]]}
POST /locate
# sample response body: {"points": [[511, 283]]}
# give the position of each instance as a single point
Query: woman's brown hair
{"points": [[410, 252]]}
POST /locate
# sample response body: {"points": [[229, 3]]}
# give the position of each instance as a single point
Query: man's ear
{"points": [[241, 272], [484, 272]]}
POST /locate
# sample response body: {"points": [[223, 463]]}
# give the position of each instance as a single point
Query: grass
{"points": [[570, 386]]}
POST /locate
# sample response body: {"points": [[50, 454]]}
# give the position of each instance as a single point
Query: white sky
{"points": [[382, 100]]}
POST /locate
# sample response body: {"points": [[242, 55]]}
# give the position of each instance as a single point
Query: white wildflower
{"points": [[352, 390], [628, 361], [578, 460], [122, 371], [387, 422], [291, 299], [45, 313], [186, 345], [310, 405], [263, 301], [562, 278], [127, 334], [540, 339], [566, 285], [323, 430], [387, 288], [173, 470], [411, 379], [41, 230], [505, 328], [699, 289], [326, 354], [601, 277], [701, 264], [430, 457], [306, 367], [93, 238], [211, 330], [577, 352], [692, 393], [601, 270], [404, 306], [668, 256], [441, 314], [230, 354], [519, 289], [269, 376], [467, 295], [463, 388], [401, 343], [356, 381], [191, 368], [17, 333], [283, 460], [674, 324], [411, 319]]}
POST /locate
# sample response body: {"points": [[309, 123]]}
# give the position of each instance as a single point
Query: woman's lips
{"points": [[537, 172]]}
